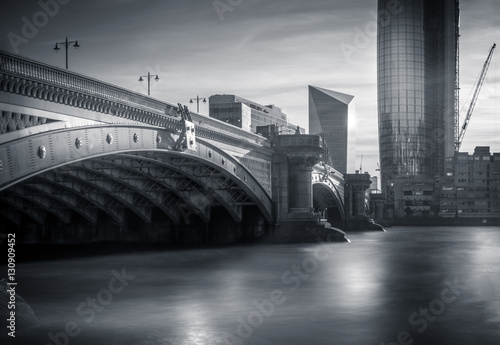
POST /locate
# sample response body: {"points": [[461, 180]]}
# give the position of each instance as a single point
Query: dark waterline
{"points": [[370, 291]]}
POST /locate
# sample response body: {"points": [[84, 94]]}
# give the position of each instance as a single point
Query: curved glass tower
{"points": [[416, 86]]}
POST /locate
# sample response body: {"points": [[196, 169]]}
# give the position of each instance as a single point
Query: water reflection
{"points": [[364, 292]]}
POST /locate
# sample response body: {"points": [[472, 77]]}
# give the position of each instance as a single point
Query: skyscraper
{"points": [[328, 114], [417, 80]]}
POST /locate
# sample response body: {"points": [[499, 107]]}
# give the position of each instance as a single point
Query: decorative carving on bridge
{"points": [[136, 137], [304, 160], [64, 95], [158, 138], [361, 188], [109, 138], [78, 142], [187, 137], [42, 152], [10, 122], [1, 167]]}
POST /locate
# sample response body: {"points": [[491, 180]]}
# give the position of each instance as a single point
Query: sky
{"points": [[267, 51]]}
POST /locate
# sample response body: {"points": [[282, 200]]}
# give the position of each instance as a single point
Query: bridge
{"points": [[84, 160]]}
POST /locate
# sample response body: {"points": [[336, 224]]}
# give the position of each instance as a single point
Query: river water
{"points": [[409, 285]]}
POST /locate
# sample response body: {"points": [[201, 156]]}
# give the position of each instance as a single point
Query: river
{"points": [[409, 285]]}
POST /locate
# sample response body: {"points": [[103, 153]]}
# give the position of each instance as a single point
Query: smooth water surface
{"points": [[409, 285]]}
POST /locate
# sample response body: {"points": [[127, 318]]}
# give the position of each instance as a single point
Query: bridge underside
{"points": [[328, 194], [151, 196], [127, 189], [326, 202]]}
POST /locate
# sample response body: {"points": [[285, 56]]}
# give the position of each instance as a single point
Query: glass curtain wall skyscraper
{"points": [[417, 71], [329, 115]]}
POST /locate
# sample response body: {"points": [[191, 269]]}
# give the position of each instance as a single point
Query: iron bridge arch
{"points": [[328, 194], [118, 171]]}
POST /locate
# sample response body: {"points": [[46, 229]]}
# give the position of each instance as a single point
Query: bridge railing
{"points": [[19, 66], [22, 66]]}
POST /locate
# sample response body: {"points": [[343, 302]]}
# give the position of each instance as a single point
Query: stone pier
{"points": [[293, 161], [355, 202]]}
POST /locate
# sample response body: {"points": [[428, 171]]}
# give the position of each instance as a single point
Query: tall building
{"points": [[248, 115], [328, 114], [417, 80]]}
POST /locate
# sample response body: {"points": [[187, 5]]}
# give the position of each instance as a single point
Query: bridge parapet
{"points": [[26, 77], [37, 71]]}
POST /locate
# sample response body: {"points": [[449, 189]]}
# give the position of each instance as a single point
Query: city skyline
{"points": [[267, 51]]}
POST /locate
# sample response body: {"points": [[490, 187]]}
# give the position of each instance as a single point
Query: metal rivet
{"points": [[78, 143], [109, 138], [136, 137], [42, 151]]}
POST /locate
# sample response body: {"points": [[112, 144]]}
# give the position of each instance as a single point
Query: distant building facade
{"points": [[328, 114], [416, 67], [248, 115], [415, 197], [471, 187], [374, 185]]}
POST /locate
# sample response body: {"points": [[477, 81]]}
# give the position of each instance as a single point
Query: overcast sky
{"points": [[267, 51]]}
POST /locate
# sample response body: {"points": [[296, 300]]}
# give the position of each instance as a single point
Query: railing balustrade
{"points": [[18, 66]]}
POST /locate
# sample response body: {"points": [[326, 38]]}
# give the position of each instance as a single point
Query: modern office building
{"points": [[417, 88], [471, 187], [248, 115], [328, 114]]}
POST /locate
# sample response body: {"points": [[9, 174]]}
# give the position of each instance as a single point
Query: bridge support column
{"points": [[300, 196], [377, 202], [355, 202], [293, 161], [356, 186]]}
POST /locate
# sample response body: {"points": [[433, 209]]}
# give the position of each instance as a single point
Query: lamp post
{"points": [[66, 45], [198, 102], [149, 76]]}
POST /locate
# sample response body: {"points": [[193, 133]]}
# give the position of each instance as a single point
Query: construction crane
{"points": [[474, 98]]}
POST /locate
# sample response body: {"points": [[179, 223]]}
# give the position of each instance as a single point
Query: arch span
{"points": [[328, 194], [109, 169]]}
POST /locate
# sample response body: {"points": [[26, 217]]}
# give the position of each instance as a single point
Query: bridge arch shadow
{"points": [[329, 202], [146, 194]]}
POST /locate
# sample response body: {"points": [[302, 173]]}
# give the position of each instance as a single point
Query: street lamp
{"points": [[149, 76], [198, 103], [66, 45]]}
